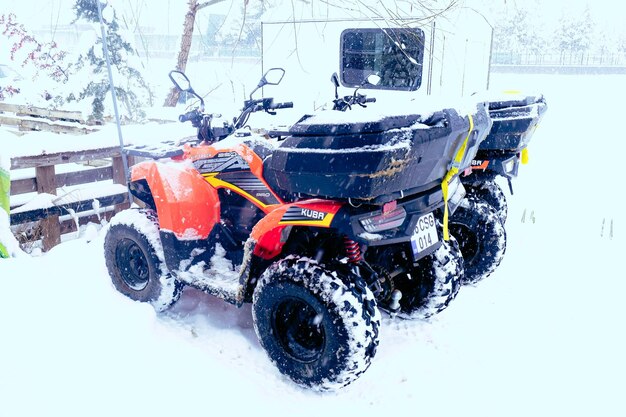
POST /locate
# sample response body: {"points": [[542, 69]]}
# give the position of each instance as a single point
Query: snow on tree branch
{"points": [[90, 78], [35, 58]]}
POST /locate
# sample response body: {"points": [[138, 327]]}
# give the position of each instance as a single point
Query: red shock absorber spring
{"points": [[353, 250]]}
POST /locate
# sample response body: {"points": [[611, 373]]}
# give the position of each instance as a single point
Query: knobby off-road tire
{"points": [[431, 285], [134, 258], [481, 237], [490, 192], [319, 330]]}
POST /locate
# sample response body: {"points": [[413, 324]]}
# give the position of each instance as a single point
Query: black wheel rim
{"points": [[468, 241], [298, 329], [133, 264]]}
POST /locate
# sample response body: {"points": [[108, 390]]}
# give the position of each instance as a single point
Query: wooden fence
{"points": [[46, 220]]}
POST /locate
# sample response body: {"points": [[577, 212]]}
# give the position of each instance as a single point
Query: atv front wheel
{"points": [[481, 236], [431, 286], [134, 258], [490, 192], [319, 330]]}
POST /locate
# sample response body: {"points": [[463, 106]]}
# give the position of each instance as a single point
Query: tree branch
{"points": [[208, 3]]}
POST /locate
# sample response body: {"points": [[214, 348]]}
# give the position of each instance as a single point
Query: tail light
{"points": [[384, 221]]}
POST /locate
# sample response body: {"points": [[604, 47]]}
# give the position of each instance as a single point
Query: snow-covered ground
{"points": [[543, 336]]}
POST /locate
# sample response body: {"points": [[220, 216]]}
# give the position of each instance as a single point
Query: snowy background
{"points": [[542, 336]]}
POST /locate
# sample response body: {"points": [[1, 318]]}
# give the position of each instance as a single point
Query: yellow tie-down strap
{"points": [[524, 156], [451, 173]]}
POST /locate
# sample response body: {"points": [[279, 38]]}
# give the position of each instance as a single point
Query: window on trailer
{"points": [[396, 55]]}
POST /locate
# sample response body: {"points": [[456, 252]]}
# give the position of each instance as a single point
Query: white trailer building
{"points": [[415, 53]]}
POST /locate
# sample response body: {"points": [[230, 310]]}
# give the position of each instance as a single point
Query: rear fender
{"points": [[185, 203], [271, 233]]}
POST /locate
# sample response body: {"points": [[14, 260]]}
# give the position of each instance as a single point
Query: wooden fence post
{"points": [[120, 178], [51, 229]]}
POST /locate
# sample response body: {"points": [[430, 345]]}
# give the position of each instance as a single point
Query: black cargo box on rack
{"points": [[375, 161], [514, 122]]}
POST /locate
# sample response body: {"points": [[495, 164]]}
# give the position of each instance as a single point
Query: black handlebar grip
{"points": [[370, 100], [187, 116], [285, 105]]}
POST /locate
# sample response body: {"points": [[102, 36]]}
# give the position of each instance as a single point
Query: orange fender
{"points": [[186, 204], [255, 163]]}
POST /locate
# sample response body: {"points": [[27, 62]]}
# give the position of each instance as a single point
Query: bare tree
{"points": [[185, 43], [430, 8]]}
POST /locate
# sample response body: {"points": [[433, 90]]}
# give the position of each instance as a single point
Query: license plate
{"points": [[425, 234]]}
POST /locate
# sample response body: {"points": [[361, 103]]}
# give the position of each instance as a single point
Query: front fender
{"points": [[185, 203]]}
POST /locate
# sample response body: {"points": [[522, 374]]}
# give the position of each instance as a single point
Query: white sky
{"points": [[168, 14], [606, 12]]}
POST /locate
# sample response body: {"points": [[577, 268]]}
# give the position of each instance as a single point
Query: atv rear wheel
{"points": [[317, 329], [134, 258], [490, 192], [431, 285], [481, 237]]}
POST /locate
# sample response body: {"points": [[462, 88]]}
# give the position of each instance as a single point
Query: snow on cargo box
{"points": [[514, 122], [377, 160]]}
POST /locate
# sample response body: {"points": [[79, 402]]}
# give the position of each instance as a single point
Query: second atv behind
{"points": [[474, 222]]}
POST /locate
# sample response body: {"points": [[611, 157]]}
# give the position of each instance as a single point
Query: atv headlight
{"points": [[383, 220]]}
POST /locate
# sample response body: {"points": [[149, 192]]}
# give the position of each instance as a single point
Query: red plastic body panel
{"points": [[186, 204], [267, 232], [253, 160]]}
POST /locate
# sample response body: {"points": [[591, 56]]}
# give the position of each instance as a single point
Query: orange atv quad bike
{"points": [[317, 230]]}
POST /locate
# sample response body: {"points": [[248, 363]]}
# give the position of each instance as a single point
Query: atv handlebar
{"points": [[346, 102], [263, 104], [285, 105], [203, 121], [189, 116]]}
